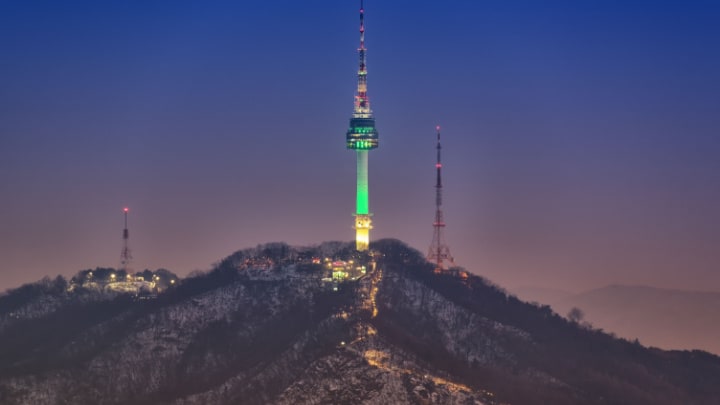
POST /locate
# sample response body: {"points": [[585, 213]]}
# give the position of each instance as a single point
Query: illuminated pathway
{"points": [[382, 360], [370, 346]]}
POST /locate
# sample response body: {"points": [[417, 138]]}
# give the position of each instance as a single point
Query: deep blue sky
{"points": [[580, 137]]}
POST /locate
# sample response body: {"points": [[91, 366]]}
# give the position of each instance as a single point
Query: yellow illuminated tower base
{"points": [[362, 231], [362, 137]]}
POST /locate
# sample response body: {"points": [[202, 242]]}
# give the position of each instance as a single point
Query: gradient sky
{"points": [[581, 138]]}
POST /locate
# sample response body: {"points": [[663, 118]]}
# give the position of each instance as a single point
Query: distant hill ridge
{"points": [[666, 318], [278, 325]]}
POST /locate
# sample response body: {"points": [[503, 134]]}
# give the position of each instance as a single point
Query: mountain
{"points": [[669, 319], [326, 325], [541, 295]]}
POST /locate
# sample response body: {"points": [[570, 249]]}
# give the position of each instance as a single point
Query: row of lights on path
{"points": [[114, 276]]}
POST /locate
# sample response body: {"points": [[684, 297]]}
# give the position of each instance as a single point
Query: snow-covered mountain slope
{"points": [[327, 325]]}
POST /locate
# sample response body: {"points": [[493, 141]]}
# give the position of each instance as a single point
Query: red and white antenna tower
{"points": [[439, 252], [125, 254]]}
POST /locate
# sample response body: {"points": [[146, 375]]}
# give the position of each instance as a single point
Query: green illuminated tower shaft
{"points": [[362, 203], [362, 137]]}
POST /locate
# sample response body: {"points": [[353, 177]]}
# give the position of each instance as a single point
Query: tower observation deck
{"points": [[362, 137]]}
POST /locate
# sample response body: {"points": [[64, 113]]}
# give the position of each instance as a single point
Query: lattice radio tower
{"points": [[125, 254], [439, 252]]}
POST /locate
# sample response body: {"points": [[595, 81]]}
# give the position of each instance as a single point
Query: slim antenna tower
{"points": [[362, 137], [125, 254], [439, 252]]}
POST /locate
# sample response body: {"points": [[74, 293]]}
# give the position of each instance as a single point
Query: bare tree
{"points": [[575, 315]]}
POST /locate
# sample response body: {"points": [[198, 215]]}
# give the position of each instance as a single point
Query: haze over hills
{"points": [[669, 319], [326, 324]]}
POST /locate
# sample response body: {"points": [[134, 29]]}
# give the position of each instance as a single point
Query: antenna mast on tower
{"points": [[439, 252], [125, 254]]}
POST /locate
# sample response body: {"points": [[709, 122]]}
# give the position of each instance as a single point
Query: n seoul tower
{"points": [[362, 137]]}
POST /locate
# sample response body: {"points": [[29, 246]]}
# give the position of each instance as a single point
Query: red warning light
{"points": [[126, 209], [437, 127]]}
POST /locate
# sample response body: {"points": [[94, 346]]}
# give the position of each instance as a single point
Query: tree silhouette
{"points": [[576, 315]]}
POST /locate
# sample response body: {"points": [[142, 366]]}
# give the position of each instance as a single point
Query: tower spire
{"points": [[362, 103], [125, 254], [439, 252], [362, 137]]}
